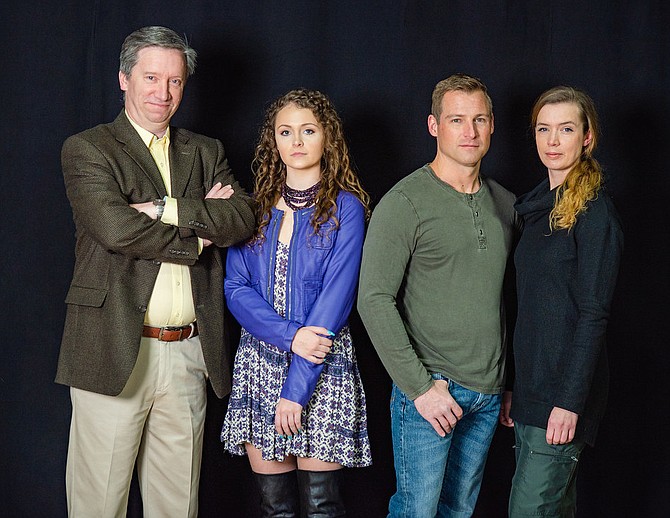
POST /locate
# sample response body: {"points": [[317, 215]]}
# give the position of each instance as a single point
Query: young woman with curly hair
{"points": [[567, 262], [297, 406]]}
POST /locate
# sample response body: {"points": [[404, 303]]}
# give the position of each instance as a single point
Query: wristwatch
{"points": [[160, 207]]}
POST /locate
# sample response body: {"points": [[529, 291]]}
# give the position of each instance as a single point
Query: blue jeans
{"points": [[440, 476]]}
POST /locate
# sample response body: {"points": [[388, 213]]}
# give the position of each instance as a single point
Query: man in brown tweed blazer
{"points": [[152, 204]]}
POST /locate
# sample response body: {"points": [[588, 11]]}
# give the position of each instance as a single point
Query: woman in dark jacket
{"points": [[567, 261], [297, 402]]}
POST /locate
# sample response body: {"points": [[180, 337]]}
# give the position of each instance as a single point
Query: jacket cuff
{"points": [[170, 213], [291, 329], [301, 382]]}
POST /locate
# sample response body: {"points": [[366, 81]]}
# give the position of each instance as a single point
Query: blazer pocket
{"points": [[82, 296]]}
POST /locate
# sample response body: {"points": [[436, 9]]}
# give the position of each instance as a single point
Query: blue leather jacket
{"points": [[321, 284]]}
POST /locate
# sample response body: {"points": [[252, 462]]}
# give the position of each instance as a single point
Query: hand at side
{"points": [[438, 408]]}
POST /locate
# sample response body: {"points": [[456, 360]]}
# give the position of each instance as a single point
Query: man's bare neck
{"points": [[462, 178]]}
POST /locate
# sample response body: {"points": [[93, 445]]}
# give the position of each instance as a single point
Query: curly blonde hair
{"points": [[336, 171], [584, 180]]}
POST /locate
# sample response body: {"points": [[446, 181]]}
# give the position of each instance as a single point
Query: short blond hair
{"points": [[458, 83]]}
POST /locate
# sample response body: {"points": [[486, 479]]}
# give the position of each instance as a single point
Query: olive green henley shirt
{"points": [[430, 292]]}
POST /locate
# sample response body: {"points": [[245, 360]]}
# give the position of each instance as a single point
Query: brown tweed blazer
{"points": [[119, 250]]}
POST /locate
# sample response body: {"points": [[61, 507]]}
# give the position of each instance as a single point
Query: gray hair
{"points": [[155, 36]]}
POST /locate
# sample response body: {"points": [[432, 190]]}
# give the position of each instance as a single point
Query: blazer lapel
{"points": [[135, 148], [182, 156]]}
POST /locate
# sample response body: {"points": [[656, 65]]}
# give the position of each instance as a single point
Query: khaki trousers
{"points": [[158, 420]]}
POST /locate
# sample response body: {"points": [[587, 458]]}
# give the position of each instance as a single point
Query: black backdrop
{"points": [[378, 60]]}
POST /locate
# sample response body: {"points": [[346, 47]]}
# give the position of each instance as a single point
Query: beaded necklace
{"points": [[297, 199]]}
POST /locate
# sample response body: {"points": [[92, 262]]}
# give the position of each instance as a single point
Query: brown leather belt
{"points": [[171, 333]]}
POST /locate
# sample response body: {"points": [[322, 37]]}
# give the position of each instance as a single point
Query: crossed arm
{"points": [[100, 182], [221, 192]]}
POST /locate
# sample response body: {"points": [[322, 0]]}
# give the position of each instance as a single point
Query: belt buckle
{"points": [[181, 329], [169, 329]]}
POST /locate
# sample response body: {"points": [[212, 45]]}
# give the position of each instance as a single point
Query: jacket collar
{"points": [[182, 155]]}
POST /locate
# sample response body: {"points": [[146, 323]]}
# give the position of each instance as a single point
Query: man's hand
{"points": [[288, 417], [221, 192], [505, 407], [218, 192], [561, 426], [147, 208], [438, 408], [310, 342]]}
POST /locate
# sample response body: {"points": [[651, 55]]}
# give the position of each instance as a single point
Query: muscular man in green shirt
{"points": [[430, 297]]}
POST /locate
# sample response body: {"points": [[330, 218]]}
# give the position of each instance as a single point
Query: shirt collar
{"points": [[146, 135]]}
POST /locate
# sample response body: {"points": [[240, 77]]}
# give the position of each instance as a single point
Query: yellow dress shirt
{"points": [[171, 302]]}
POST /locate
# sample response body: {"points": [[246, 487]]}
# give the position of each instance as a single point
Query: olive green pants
{"points": [[545, 480]]}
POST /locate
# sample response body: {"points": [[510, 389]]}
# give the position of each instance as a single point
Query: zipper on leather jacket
{"points": [[274, 234], [297, 220]]}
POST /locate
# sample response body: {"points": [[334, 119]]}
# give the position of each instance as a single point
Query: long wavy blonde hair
{"points": [[584, 180], [336, 171]]}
